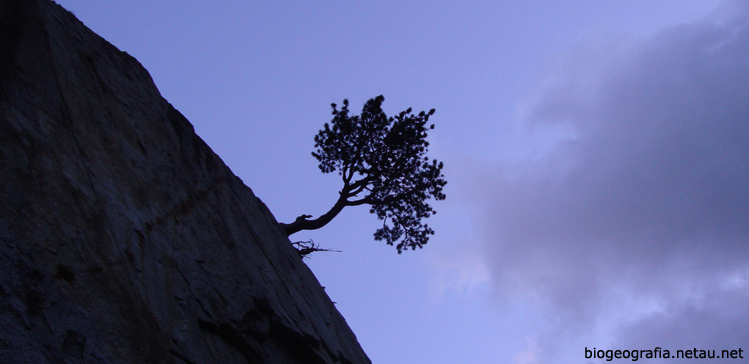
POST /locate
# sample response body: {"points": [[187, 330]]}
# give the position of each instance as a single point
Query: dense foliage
{"points": [[382, 162]]}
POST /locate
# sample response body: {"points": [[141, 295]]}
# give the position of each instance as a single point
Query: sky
{"points": [[596, 153]]}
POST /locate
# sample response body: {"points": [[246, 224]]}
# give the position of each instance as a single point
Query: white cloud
{"points": [[461, 273], [528, 356]]}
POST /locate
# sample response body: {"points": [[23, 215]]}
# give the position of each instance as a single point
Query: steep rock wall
{"points": [[123, 237]]}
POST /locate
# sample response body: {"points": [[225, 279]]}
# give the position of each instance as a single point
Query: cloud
{"points": [[529, 356], [461, 272], [634, 226]]}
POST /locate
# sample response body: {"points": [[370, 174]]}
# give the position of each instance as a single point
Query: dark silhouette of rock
{"points": [[123, 237]]}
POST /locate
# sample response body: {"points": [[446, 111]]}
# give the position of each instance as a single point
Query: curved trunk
{"points": [[302, 222]]}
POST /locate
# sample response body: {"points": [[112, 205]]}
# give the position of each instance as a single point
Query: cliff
{"points": [[123, 237]]}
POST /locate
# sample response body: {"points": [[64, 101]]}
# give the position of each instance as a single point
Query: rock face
{"points": [[123, 237]]}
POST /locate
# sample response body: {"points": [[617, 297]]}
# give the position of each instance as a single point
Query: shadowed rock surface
{"points": [[123, 237]]}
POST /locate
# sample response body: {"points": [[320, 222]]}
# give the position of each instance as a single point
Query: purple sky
{"points": [[596, 152]]}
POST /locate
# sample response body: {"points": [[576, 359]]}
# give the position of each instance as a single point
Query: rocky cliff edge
{"points": [[123, 237]]}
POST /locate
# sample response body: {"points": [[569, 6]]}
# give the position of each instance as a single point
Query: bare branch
{"points": [[305, 248]]}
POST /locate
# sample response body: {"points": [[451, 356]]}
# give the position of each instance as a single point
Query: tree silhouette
{"points": [[382, 161]]}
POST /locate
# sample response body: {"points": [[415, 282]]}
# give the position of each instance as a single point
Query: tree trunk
{"points": [[302, 222]]}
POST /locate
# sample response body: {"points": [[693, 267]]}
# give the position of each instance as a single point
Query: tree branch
{"points": [[357, 190], [303, 222], [365, 200]]}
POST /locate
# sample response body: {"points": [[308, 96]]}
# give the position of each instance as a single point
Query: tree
{"points": [[382, 161]]}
